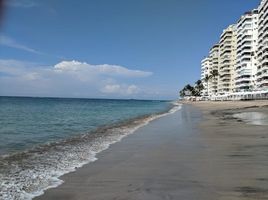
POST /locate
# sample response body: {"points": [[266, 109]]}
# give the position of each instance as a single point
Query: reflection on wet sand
{"points": [[255, 118]]}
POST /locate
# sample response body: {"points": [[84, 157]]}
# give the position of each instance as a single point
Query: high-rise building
{"points": [[262, 69], [204, 74], [239, 63], [213, 70], [246, 59], [227, 60], [209, 70]]}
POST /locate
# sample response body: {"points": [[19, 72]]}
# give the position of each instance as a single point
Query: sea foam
{"points": [[28, 174]]}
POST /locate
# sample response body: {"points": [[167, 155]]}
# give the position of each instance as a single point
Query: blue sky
{"points": [[145, 49]]}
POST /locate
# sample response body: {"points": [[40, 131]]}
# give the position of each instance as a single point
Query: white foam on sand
{"points": [[26, 175]]}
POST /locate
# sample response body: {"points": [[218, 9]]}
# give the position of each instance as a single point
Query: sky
{"points": [[142, 49]]}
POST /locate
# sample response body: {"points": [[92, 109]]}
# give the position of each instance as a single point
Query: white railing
{"points": [[236, 96]]}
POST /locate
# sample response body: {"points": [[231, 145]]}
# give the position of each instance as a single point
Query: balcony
{"points": [[246, 53], [226, 52], [263, 81], [248, 48], [226, 34], [243, 85], [263, 69], [263, 7], [226, 60], [225, 80], [264, 61], [225, 66], [265, 72], [243, 80], [243, 72]]}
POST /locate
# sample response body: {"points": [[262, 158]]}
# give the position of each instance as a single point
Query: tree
{"points": [[188, 90], [206, 79], [182, 93], [214, 74], [198, 88]]}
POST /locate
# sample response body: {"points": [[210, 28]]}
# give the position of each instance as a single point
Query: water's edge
{"points": [[28, 174]]}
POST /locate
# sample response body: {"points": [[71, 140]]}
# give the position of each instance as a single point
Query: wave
{"points": [[28, 174]]}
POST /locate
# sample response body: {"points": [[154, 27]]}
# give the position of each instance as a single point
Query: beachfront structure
{"points": [[262, 69], [209, 65], [213, 70], [246, 57], [205, 73], [242, 59], [227, 60]]}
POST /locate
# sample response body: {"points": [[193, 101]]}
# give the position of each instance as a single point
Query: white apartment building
{"points": [[213, 66], [204, 74], [246, 58], [262, 69], [227, 60], [241, 59]]}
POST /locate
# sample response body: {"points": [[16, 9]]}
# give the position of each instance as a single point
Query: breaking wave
{"points": [[27, 174]]}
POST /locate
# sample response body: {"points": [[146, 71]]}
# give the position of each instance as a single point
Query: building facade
{"points": [[213, 70], [246, 60], [262, 69], [240, 57], [204, 73], [227, 60]]}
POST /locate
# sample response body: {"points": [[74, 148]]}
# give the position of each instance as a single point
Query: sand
{"points": [[198, 153], [239, 150]]}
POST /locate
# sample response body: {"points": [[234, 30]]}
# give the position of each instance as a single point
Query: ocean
{"points": [[44, 138]]}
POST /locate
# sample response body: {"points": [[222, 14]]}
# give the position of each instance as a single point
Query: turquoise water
{"points": [[26, 122], [44, 138]]}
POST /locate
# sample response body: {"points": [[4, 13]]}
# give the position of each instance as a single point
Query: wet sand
{"points": [[198, 153], [239, 150]]}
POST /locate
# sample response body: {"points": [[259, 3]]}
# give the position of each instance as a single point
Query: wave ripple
{"points": [[27, 174]]}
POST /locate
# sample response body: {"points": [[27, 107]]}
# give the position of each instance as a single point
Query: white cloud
{"points": [[32, 76], [9, 42], [12, 67], [68, 78], [132, 89], [124, 90], [105, 69], [115, 88]]}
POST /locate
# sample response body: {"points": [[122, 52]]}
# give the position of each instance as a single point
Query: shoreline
{"points": [[196, 153], [48, 162], [207, 106], [135, 146]]}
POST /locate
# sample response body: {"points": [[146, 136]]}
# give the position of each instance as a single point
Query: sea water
{"points": [[44, 138]]}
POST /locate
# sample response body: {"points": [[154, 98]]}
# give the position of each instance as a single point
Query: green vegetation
{"points": [[195, 90]]}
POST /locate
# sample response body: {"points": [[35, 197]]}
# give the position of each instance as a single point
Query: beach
{"points": [[238, 149], [199, 152]]}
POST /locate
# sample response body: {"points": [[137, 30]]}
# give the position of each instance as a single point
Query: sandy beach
{"points": [[200, 152], [238, 150]]}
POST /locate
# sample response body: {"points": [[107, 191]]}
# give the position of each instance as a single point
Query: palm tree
{"points": [[214, 73], [206, 79], [190, 89], [182, 93], [198, 87], [187, 90]]}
